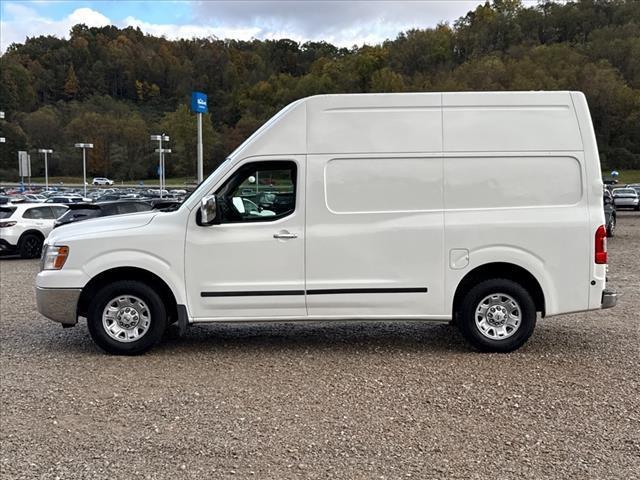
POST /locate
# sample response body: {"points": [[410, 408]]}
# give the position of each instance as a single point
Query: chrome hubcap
{"points": [[498, 316], [126, 318]]}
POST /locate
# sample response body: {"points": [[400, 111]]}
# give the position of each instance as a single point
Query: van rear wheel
{"points": [[126, 318], [497, 315]]}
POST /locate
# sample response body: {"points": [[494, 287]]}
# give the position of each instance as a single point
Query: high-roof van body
{"points": [[476, 208]]}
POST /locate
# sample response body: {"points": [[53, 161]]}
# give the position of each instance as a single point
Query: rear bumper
{"points": [[59, 304], [609, 298], [626, 204]]}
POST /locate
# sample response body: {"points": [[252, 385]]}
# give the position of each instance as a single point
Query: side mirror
{"points": [[208, 210]]}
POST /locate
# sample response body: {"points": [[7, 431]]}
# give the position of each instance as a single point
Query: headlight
{"points": [[54, 257]]}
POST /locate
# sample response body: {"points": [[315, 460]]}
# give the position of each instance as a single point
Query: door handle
{"points": [[284, 234]]}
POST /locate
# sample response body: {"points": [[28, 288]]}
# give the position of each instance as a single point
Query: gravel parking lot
{"points": [[340, 400]]}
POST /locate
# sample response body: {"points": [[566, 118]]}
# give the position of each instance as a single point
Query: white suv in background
{"points": [[102, 181], [25, 226]]}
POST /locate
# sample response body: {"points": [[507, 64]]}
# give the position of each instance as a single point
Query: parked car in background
{"points": [[34, 198], [109, 197], [24, 227], [610, 213], [67, 199], [86, 211], [102, 181], [626, 198], [635, 186], [156, 193]]}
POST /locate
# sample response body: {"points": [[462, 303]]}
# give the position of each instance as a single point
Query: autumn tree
{"points": [[71, 86]]}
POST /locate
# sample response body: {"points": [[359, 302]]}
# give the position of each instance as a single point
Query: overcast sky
{"points": [[343, 23]]}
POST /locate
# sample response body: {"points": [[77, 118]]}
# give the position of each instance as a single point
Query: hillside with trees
{"points": [[114, 87]]}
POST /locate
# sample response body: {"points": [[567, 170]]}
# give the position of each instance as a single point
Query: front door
{"points": [[251, 265]]}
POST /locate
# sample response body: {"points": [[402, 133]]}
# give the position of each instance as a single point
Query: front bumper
{"points": [[59, 304], [609, 298]]}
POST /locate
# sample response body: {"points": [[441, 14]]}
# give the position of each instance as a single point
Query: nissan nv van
{"points": [[479, 209]]}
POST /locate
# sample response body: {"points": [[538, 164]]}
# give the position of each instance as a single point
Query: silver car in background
{"points": [[626, 198]]}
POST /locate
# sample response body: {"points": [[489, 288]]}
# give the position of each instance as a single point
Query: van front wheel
{"points": [[126, 318], [497, 315]]}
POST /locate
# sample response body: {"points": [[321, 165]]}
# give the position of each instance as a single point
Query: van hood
{"points": [[99, 225]]}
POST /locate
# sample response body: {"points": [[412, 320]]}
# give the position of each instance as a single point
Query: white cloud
{"points": [[25, 22], [89, 17], [344, 23], [173, 31]]}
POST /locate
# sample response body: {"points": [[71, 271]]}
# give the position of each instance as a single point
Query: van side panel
{"points": [[509, 122], [374, 239], [374, 236], [515, 191], [375, 123], [493, 181]]}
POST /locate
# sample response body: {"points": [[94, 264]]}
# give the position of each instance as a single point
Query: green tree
{"points": [[181, 127]]}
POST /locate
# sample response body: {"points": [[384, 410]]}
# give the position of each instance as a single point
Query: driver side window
{"points": [[259, 192]]}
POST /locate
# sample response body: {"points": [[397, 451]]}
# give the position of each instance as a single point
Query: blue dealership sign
{"points": [[199, 102]]}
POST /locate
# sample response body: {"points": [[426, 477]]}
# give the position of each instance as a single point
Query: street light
{"points": [[84, 147], [46, 168], [161, 151]]}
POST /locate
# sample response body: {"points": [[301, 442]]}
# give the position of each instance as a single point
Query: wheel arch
{"points": [[506, 270], [129, 273], [31, 231]]}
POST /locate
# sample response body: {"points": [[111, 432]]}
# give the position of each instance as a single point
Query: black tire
{"points": [[30, 246], [158, 317], [611, 228], [471, 301]]}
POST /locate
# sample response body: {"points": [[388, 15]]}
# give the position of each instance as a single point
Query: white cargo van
{"points": [[480, 209]]}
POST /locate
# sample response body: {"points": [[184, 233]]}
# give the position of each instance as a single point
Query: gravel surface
{"points": [[341, 400]]}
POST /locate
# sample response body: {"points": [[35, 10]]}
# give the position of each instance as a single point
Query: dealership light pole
{"points": [[84, 147], [161, 151], [163, 181], [46, 151]]}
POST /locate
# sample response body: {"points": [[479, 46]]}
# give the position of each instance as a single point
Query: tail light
{"points": [[8, 224], [601, 245]]}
